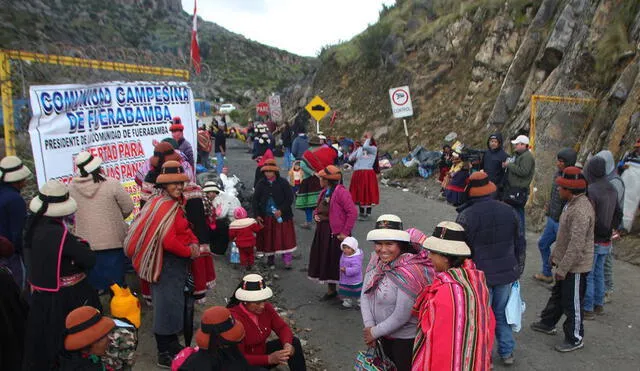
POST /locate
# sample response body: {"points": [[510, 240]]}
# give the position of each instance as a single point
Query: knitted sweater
{"points": [[102, 208]]}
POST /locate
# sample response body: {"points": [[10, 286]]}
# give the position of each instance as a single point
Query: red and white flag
{"points": [[195, 48]]}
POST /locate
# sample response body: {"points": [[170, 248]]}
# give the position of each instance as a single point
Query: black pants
{"points": [[168, 344], [400, 351], [297, 362], [567, 297]]}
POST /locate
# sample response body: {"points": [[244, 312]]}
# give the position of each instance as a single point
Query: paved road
{"points": [[611, 341]]}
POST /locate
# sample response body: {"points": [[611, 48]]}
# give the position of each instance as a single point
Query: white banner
{"points": [[117, 121]]}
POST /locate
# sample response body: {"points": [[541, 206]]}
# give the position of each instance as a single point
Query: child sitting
{"points": [[243, 231], [350, 272], [295, 176]]}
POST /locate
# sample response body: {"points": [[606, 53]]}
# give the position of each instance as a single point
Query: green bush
{"points": [[370, 42]]}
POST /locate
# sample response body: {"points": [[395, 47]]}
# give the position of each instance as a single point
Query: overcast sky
{"points": [[298, 26]]}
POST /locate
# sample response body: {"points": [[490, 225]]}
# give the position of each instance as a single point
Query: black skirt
{"points": [[220, 237], [324, 258], [46, 323]]}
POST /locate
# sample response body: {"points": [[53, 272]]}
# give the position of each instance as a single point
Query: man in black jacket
{"points": [[604, 198], [493, 159], [492, 229], [566, 157]]}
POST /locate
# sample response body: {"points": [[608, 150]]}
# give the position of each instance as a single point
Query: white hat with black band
{"points": [[448, 238], [12, 170], [253, 289], [87, 163], [388, 228]]}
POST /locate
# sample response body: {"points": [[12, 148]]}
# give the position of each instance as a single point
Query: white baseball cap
{"points": [[521, 139]]}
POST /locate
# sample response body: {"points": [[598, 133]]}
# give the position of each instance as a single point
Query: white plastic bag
{"points": [[515, 308]]}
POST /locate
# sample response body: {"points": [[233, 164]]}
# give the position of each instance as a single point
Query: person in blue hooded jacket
{"points": [[493, 158]]}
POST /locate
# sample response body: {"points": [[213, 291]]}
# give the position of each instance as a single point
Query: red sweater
{"points": [[179, 237], [243, 231], [254, 345]]}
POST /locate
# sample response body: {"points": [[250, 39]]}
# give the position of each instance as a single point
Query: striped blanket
{"points": [[456, 323], [144, 240], [410, 272]]}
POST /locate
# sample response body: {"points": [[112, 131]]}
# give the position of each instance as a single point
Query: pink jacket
{"points": [[342, 211]]}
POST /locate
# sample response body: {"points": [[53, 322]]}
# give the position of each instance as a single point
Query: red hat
{"points": [[479, 185], [320, 158], [176, 125], [637, 145], [268, 155], [85, 325], [218, 322], [572, 178]]}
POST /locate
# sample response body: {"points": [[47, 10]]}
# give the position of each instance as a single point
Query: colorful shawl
{"points": [[456, 323], [144, 240], [410, 272]]}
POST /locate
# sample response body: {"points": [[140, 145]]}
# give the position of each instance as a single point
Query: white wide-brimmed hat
{"points": [[388, 228], [54, 199], [12, 170], [211, 187], [87, 162], [448, 239], [253, 289]]}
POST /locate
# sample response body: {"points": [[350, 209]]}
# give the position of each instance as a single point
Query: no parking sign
{"points": [[401, 102]]}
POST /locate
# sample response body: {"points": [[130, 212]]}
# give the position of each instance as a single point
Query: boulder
{"points": [[620, 90], [562, 34]]}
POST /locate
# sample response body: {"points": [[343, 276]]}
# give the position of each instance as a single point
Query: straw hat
{"points": [[253, 289], [330, 172], [388, 228], [210, 187], [448, 239], [479, 185], [572, 178], [12, 170], [217, 321], [270, 165], [87, 162], [85, 326], [163, 152], [53, 200], [172, 172]]}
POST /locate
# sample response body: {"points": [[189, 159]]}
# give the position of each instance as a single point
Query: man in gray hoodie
{"points": [[604, 199], [617, 183]]}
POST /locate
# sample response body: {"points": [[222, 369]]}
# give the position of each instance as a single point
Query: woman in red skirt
{"points": [[364, 182], [272, 202]]}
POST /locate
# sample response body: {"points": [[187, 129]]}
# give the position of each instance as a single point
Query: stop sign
{"points": [[262, 108]]}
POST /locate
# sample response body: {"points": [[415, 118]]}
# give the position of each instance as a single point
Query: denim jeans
{"points": [[520, 212], [219, 162], [287, 159], [547, 238], [594, 294], [499, 295]]}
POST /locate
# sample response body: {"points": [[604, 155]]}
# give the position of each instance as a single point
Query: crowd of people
{"points": [[418, 294]]}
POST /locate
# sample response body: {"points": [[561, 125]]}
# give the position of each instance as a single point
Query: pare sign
{"points": [[401, 102]]}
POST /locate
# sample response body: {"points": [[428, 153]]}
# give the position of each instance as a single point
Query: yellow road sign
{"points": [[317, 108]]}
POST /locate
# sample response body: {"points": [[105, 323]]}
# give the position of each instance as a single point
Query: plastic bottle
{"points": [[273, 211]]}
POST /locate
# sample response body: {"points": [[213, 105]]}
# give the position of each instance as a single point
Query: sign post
{"points": [[317, 108], [275, 108], [401, 107]]}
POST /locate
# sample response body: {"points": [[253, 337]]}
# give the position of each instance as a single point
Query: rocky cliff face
{"points": [[473, 66], [150, 32]]}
